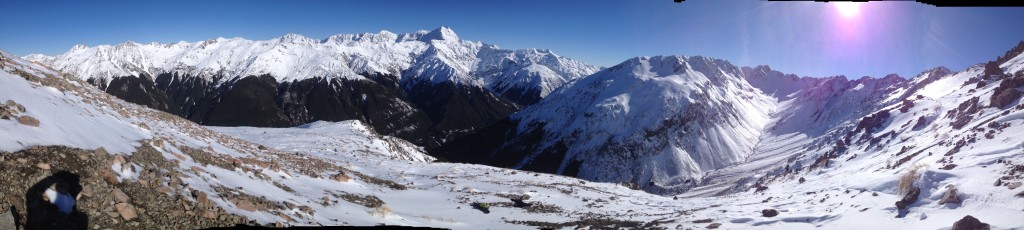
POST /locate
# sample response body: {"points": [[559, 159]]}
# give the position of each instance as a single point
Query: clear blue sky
{"points": [[805, 38]]}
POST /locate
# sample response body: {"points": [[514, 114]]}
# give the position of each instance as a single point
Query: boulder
{"points": [[909, 198], [950, 196], [769, 213], [969, 223], [126, 210], [246, 205], [1013, 185], [29, 121]]}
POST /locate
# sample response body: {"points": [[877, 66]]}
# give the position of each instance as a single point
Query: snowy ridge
{"points": [[435, 56], [659, 122], [326, 137]]}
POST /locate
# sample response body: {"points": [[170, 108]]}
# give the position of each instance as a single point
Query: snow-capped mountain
{"points": [[437, 56], [658, 122], [426, 86], [700, 126]]}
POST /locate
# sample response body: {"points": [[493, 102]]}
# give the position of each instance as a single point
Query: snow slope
{"points": [[435, 56]]}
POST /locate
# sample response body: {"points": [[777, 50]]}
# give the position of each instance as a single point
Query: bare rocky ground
{"points": [[155, 201]]}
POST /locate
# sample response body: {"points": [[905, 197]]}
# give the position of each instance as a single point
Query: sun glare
{"points": [[847, 9]]}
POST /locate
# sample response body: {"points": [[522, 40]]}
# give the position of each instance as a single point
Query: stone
{"points": [[714, 225], [950, 197], [969, 223], [1013, 185], [165, 190], [119, 196], [126, 210], [246, 205], [341, 177], [261, 147], [28, 121], [999, 182], [909, 198], [119, 159], [769, 213], [202, 200], [109, 177], [43, 166]]}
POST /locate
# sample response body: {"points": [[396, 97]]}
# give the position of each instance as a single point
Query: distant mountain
{"points": [[423, 86], [701, 126]]}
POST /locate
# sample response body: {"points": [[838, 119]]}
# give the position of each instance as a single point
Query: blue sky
{"points": [[805, 38]]}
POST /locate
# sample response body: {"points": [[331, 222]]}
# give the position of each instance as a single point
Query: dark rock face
{"points": [[139, 90], [769, 212], [458, 109], [969, 223], [248, 102], [908, 199], [438, 113]]}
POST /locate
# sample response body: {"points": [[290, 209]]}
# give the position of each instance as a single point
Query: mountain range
{"points": [[670, 126]]}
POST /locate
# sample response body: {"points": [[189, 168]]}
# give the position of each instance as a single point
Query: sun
{"points": [[847, 9]]}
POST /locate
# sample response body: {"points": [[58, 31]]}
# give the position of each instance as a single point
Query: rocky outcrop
{"points": [[969, 223], [950, 196], [909, 198]]}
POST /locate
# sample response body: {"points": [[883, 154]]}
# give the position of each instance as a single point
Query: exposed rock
{"points": [[29, 121], [126, 210], [201, 199], [802, 180], [714, 225], [209, 214], [119, 196], [43, 166], [1013, 185], [109, 177], [908, 199], [246, 205], [950, 196], [261, 147], [969, 223], [999, 182], [341, 177], [769, 212]]}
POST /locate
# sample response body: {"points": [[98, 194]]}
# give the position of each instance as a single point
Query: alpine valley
{"points": [[427, 129]]}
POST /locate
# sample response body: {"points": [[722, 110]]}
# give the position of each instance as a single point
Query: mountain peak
{"points": [[295, 38], [442, 33]]}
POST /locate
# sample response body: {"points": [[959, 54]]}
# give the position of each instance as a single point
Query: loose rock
{"points": [[769, 212]]}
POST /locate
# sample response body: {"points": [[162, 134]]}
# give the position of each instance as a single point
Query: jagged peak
{"points": [[295, 38], [441, 33]]}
